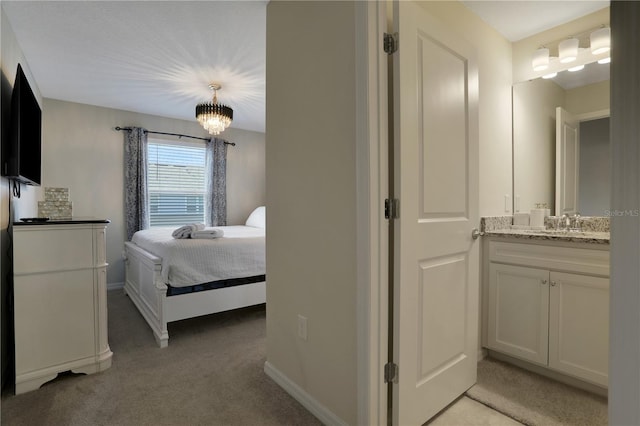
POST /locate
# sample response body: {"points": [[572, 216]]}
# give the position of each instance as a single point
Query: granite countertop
{"points": [[590, 237]]}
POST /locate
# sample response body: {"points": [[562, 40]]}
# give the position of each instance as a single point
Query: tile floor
{"points": [[467, 412]]}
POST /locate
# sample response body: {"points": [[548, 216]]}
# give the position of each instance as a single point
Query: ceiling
{"points": [[158, 57], [146, 56], [516, 20]]}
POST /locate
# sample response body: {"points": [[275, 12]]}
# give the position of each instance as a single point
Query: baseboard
{"points": [[543, 371], [320, 411], [482, 354], [115, 286]]}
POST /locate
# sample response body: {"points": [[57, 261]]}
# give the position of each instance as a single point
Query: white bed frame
{"points": [[145, 287]]}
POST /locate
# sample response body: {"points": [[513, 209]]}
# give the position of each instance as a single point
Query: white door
{"points": [[436, 270], [567, 162]]}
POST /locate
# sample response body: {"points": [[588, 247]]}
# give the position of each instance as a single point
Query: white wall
{"points": [[82, 151], [311, 199]]}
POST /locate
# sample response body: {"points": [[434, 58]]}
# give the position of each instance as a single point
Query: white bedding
{"points": [[185, 262]]}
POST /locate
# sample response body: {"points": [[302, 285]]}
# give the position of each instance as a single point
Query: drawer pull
{"points": [[553, 283], [544, 281]]}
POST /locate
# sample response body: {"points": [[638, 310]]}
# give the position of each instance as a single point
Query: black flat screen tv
{"points": [[21, 152]]}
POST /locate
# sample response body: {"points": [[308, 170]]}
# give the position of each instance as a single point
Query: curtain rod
{"points": [[174, 134]]}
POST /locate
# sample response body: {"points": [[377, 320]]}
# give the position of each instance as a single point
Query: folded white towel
{"points": [[207, 233], [186, 230]]}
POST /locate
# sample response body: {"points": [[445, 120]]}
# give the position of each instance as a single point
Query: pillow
{"points": [[257, 218]]}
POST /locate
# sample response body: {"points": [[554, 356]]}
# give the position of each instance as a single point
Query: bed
{"points": [[172, 279]]}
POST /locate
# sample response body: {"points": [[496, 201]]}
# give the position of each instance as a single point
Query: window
{"points": [[176, 183]]}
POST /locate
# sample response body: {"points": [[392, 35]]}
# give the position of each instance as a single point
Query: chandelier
{"points": [[214, 117]]}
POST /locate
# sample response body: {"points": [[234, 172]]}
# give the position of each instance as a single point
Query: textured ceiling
{"points": [[145, 56]]}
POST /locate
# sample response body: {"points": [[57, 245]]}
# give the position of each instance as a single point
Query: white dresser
{"points": [[60, 300]]}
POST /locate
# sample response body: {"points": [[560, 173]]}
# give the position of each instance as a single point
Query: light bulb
{"points": [[540, 60], [600, 41], [568, 50]]}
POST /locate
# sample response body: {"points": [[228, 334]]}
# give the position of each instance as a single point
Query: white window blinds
{"points": [[176, 184]]}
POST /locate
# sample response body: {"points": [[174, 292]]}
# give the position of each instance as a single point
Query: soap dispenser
{"points": [[537, 215]]}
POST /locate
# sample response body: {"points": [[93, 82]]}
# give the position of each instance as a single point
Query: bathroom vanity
{"points": [[546, 300]]}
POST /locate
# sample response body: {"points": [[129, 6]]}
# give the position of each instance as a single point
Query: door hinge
{"points": [[390, 43], [391, 208], [391, 372]]}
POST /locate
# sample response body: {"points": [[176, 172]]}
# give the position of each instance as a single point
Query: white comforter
{"points": [[185, 262]]}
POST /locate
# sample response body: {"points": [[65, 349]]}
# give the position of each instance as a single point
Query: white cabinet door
{"points": [[54, 319], [579, 326], [518, 311]]}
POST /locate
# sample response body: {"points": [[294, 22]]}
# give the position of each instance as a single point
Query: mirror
{"points": [[584, 94]]}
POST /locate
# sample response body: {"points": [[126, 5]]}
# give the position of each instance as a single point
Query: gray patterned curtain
{"points": [[136, 194], [216, 182]]}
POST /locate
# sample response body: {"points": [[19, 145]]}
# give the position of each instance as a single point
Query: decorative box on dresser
{"points": [[60, 300], [546, 301]]}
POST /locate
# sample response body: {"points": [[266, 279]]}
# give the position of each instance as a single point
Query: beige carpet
{"points": [[533, 399], [211, 374]]}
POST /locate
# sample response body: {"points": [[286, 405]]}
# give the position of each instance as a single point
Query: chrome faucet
{"points": [[576, 223], [570, 223], [564, 223]]}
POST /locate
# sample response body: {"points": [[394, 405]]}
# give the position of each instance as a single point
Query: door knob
{"points": [[475, 233]]}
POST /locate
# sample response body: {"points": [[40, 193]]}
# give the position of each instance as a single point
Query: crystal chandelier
{"points": [[214, 117]]}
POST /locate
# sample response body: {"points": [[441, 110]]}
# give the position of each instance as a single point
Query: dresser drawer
{"points": [[46, 249]]}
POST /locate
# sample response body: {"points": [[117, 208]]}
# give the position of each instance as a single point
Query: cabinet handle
{"points": [[553, 283], [544, 281]]}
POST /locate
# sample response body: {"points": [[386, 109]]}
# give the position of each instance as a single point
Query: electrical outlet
{"points": [[302, 327]]}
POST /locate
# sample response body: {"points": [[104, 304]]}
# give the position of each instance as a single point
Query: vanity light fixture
{"points": [[214, 117], [600, 40], [568, 50], [540, 59], [548, 76]]}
